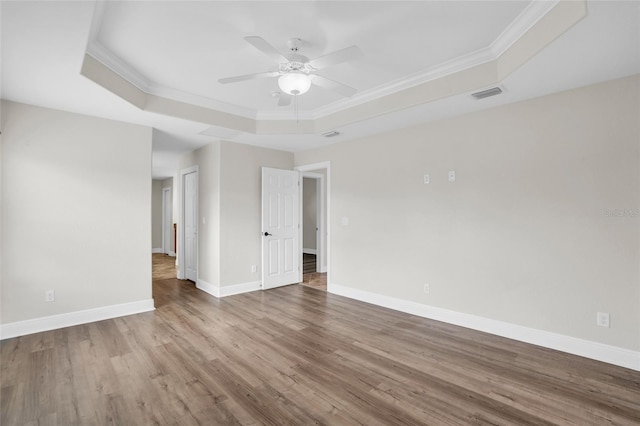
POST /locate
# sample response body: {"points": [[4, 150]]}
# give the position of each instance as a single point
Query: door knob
{"points": [[266, 234]]}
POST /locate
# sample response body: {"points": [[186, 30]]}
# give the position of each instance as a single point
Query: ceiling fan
{"points": [[296, 72]]}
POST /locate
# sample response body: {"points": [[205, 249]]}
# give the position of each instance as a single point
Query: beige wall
{"points": [[541, 228], [240, 208], [156, 214], [229, 192], [207, 159], [76, 202], [309, 213]]}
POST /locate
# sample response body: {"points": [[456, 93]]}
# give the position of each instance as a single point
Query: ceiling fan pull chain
{"points": [[296, 109]]}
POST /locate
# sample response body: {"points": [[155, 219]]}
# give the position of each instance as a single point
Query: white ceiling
{"points": [[179, 50], [164, 42]]}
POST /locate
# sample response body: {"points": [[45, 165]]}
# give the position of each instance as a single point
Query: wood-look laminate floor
{"points": [[298, 356], [309, 263], [164, 266], [316, 280]]}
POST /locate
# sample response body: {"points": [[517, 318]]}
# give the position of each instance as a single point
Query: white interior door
{"points": [[281, 250], [167, 221], [190, 217]]}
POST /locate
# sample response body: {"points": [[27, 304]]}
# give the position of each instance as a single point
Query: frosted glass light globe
{"points": [[294, 83]]}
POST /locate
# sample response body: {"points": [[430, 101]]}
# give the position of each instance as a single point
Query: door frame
{"points": [[320, 216], [325, 237], [181, 227]]}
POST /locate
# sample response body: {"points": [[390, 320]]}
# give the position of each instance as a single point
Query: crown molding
{"points": [[96, 22], [100, 53], [535, 11]]}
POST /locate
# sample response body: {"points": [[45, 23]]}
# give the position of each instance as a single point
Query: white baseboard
{"points": [[161, 250], [207, 287], [228, 290], [309, 251], [36, 325], [586, 348]]}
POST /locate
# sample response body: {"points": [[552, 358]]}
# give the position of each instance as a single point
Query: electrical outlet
{"points": [[426, 179], [602, 319], [427, 289], [49, 296], [452, 175], [254, 268]]}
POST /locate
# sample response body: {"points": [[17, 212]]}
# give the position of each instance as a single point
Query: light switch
{"points": [[426, 179], [603, 319]]}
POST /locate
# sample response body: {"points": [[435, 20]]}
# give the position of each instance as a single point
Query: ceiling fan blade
{"points": [[337, 57], [326, 83], [266, 48], [284, 99], [248, 77]]}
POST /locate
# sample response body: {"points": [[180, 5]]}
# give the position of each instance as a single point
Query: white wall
{"points": [[541, 228], [156, 215], [76, 202]]}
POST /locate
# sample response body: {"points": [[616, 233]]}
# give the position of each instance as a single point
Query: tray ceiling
{"points": [[181, 49]]}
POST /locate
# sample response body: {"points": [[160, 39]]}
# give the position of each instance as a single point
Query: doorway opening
{"points": [[315, 224]]}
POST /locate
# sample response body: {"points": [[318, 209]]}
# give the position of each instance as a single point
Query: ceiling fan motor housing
{"points": [[294, 44]]}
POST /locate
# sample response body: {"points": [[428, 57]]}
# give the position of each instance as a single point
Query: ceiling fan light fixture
{"points": [[294, 83]]}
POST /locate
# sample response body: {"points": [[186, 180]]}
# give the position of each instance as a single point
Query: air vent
{"points": [[486, 93], [330, 134]]}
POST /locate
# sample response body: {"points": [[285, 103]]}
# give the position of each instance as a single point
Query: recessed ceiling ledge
{"points": [[100, 74]]}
